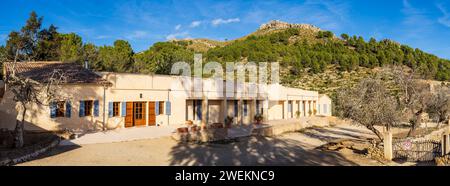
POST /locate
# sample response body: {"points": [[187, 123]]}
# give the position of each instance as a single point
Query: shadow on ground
{"points": [[253, 151]]}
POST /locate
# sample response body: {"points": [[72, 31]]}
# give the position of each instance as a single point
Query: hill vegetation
{"points": [[303, 52]]}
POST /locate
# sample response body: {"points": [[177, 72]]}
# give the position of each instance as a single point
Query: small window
{"points": [[116, 106], [161, 107], [60, 111], [88, 108]]}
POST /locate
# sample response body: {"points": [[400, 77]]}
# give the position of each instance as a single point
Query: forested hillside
{"points": [[300, 51]]}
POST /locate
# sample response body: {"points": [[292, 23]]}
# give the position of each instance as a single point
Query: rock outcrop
{"points": [[276, 24]]}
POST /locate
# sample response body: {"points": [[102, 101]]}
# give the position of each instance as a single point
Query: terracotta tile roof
{"points": [[41, 71]]}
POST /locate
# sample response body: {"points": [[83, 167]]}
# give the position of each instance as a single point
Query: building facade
{"points": [[120, 100]]}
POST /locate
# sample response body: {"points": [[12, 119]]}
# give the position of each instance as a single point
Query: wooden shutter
{"points": [[129, 114], [81, 111], [96, 108], [110, 109], [68, 109], [151, 113]]}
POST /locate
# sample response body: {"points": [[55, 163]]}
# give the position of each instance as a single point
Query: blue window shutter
{"points": [[236, 110], [156, 107], [52, 109], [68, 109], [96, 109], [168, 108], [124, 109], [199, 109], [110, 109], [81, 113]]}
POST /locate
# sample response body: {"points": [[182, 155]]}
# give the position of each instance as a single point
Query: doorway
{"points": [[135, 114]]}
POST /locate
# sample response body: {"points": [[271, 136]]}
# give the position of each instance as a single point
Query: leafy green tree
{"points": [[344, 36], [3, 58], [90, 54], [48, 44], [29, 34], [71, 48]]}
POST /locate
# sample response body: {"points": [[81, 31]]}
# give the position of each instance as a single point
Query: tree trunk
{"points": [[418, 117], [18, 131], [374, 130]]}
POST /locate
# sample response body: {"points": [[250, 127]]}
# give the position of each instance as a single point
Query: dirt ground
{"points": [[289, 149]]}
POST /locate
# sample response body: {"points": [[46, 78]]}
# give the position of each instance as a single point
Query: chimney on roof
{"points": [[86, 64]]}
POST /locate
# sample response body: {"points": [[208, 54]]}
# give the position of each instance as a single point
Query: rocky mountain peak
{"points": [[277, 24]]}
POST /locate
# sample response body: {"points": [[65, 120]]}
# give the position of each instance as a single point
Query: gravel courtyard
{"points": [[289, 149]]}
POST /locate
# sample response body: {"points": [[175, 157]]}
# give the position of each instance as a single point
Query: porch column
{"points": [[224, 108], [265, 106], [387, 141], [309, 107], [204, 111]]}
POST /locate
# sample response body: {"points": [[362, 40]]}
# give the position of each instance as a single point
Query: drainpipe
{"points": [[104, 108], [168, 99]]}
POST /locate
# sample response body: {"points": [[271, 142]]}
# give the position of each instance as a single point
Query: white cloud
{"points": [[178, 27], [102, 37], [445, 19], [178, 35], [219, 21], [138, 34], [195, 24]]}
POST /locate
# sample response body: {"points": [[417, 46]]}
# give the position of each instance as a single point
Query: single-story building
{"points": [[97, 100]]}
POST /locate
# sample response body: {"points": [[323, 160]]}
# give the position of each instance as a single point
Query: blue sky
{"points": [[418, 23]]}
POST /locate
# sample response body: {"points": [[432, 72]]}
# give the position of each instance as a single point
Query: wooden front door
{"points": [[129, 115], [139, 113], [151, 114]]}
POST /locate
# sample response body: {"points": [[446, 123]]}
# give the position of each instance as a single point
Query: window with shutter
{"points": [[60, 108], [161, 107], [116, 106]]}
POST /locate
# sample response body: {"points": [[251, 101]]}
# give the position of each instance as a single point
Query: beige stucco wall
{"points": [[324, 100], [139, 87]]}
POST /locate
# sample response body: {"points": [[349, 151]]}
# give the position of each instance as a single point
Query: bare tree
{"points": [[412, 95], [438, 106], [368, 104], [26, 92]]}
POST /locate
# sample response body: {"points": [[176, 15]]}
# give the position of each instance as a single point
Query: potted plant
{"points": [[314, 112], [297, 114], [310, 112], [258, 118], [189, 123], [228, 121]]}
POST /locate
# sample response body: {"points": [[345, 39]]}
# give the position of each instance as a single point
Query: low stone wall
{"points": [[290, 126], [15, 156]]}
